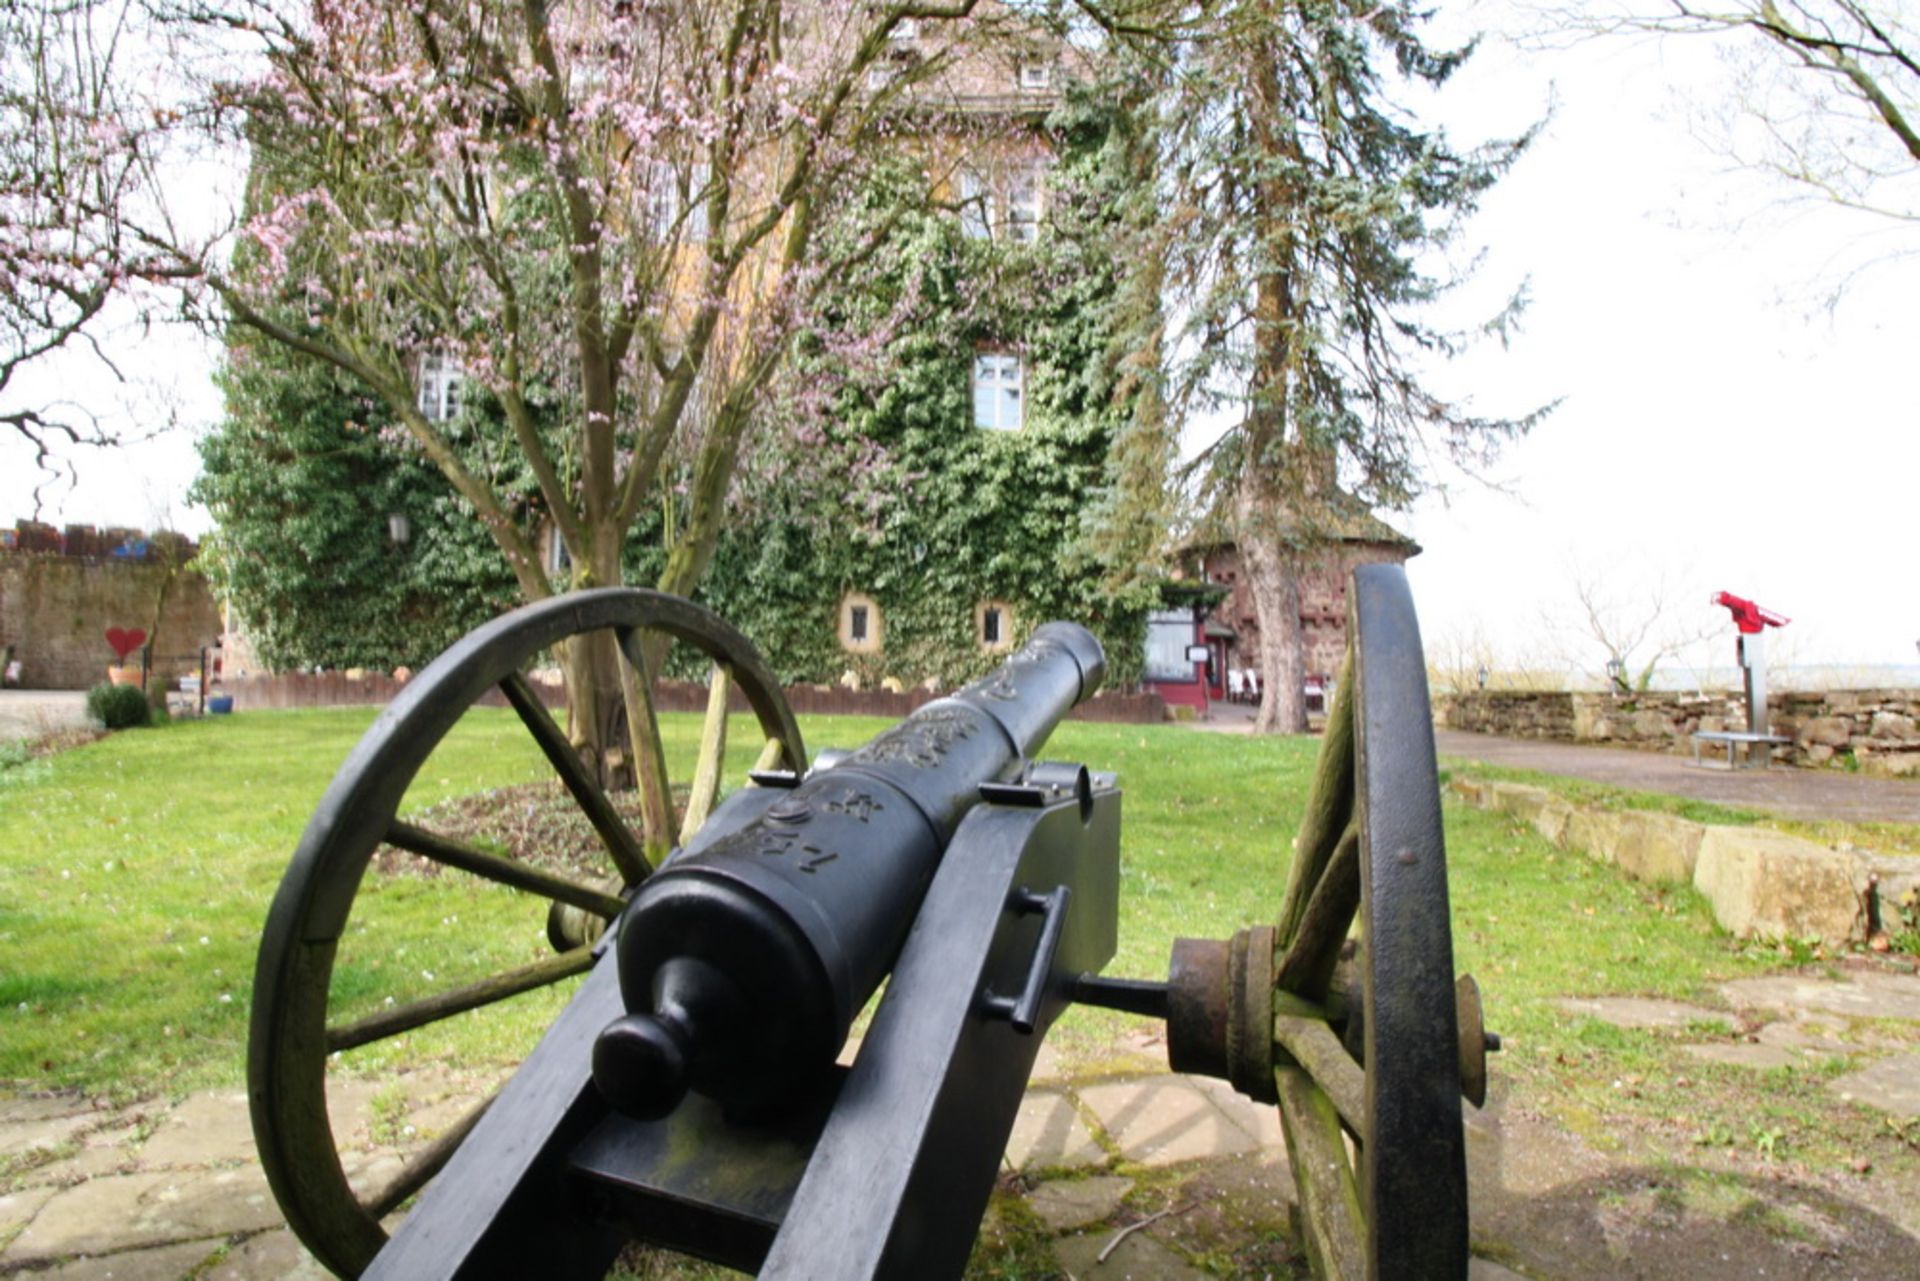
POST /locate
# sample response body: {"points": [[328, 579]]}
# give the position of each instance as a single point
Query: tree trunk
{"points": [[1272, 576]]}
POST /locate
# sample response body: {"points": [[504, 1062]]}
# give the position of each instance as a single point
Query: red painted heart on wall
{"points": [[125, 640]]}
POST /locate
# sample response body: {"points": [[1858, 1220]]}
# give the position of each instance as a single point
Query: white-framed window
{"points": [[999, 391], [677, 201], [882, 74], [1036, 75], [1008, 205], [1023, 205], [1169, 633], [438, 395], [976, 206]]}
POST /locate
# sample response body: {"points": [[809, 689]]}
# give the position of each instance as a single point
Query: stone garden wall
{"points": [[1877, 730], [61, 590], [1760, 883]]}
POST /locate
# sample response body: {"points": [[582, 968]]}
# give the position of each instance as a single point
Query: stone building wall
{"points": [[1876, 730], [61, 590]]}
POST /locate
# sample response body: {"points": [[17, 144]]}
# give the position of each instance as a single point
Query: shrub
{"points": [[118, 706]]}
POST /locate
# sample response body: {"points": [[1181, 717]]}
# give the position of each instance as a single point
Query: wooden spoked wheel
{"points": [[1369, 1063], [304, 1014]]}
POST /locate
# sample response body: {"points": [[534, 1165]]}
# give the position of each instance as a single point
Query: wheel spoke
{"points": [[1329, 805], [1311, 1044], [520, 876], [425, 1163], [1329, 1199], [1306, 967], [404, 1018], [713, 753], [621, 847]]}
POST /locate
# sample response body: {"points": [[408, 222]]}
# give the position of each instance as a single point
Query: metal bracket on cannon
{"points": [[885, 1170]]}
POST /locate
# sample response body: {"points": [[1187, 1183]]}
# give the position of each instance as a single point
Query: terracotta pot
{"points": [[123, 675]]}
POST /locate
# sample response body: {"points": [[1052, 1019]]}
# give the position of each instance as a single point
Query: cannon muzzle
{"points": [[743, 961]]}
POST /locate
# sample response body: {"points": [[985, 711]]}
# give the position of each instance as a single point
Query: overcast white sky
{"points": [[1718, 428]]}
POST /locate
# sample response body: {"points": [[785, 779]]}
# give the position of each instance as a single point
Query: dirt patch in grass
{"points": [[535, 823]]}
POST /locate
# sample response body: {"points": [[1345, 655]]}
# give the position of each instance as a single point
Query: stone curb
{"points": [[1760, 883]]}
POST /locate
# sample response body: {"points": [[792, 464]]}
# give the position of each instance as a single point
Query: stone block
{"points": [[1658, 847], [1594, 832], [1519, 799], [1552, 818], [1892, 725], [1828, 731], [1777, 886], [1890, 764], [1471, 790]]}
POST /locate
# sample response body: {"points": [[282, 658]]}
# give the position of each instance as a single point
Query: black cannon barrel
{"points": [[743, 963]]}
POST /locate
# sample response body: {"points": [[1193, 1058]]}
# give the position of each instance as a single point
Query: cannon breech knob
{"points": [[643, 1063]]}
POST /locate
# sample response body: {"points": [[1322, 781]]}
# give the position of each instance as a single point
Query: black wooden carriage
{"points": [[686, 1095]]}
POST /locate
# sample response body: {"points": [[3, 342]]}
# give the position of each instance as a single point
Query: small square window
{"points": [[993, 625], [860, 624], [998, 392], [880, 75], [1035, 75]]}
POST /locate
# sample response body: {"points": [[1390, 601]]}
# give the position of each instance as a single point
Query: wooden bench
{"points": [[1731, 739]]}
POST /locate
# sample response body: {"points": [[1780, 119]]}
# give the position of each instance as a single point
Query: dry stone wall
{"points": [[1876, 730]]}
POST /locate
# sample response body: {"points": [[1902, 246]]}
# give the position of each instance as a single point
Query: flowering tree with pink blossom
{"points": [[605, 215], [75, 155]]}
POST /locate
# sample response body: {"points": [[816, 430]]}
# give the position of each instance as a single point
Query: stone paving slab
{"points": [[1138, 1258], [18, 1138], [1869, 994], [1746, 1054], [93, 1217], [276, 1254], [1048, 1131], [1066, 1204], [206, 1128], [163, 1263], [1164, 1120], [1891, 1085], [1641, 1012]]}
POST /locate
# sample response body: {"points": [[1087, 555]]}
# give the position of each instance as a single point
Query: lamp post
{"points": [[1615, 671], [1482, 676]]}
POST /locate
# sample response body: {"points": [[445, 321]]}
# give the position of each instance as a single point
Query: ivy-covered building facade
{"points": [[915, 497]]}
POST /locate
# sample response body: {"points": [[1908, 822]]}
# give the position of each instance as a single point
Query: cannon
{"points": [[694, 1091]]}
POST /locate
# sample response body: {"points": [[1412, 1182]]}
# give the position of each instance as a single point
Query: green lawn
{"points": [[135, 873]]}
